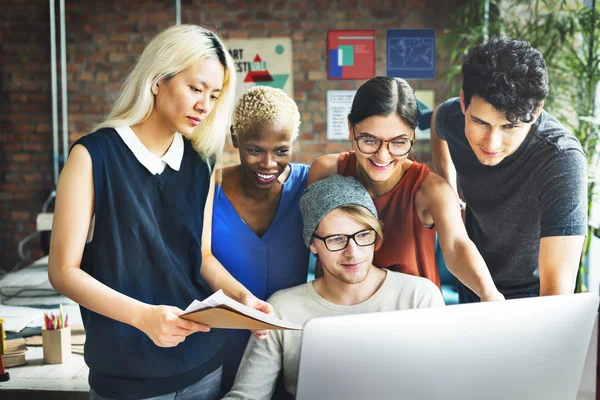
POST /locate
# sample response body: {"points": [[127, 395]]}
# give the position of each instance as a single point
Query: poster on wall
{"points": [[411, 53], [339, 103], [350, 54], [426, 107], [265, 62]]}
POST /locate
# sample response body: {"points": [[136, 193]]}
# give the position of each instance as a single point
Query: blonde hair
{"points": [[364, 216], [264, 104], [170, 52]]}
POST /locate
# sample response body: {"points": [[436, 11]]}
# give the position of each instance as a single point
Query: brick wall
{"points": [[25, 121], [104, 38]]}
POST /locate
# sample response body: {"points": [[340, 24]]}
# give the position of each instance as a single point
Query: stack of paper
{"points": [[221, 311], [15, 353]]}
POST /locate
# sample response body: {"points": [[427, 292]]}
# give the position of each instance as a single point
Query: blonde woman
{"points": [[131, 240], [257, 226]]}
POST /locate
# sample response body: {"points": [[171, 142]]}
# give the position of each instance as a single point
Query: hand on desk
{"points": [[163, 325], [250, 300]]}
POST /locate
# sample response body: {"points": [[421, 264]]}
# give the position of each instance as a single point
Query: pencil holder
{"points": [[56, 344]]}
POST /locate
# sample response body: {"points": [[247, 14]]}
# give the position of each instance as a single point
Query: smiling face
{"points": [[491, 136], [381, 166], [351, 265], [184, 100], [264, 153]]}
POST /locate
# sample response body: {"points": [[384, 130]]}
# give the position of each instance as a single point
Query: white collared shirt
{"points": [[154, 164]]}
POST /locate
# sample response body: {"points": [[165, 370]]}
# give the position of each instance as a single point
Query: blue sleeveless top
{"points": [[146, 245], [277, 260]]}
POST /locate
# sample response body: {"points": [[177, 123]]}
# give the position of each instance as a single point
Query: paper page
{"points": [[17, 318], [219, 298], [196, 305], [214, 300], [259, 315]]}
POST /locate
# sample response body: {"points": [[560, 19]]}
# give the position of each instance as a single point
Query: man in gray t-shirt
{"points": [[521, 173]]}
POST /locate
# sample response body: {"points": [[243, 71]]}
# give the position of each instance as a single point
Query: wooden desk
{"points": [[37, 381], [69, 381]]}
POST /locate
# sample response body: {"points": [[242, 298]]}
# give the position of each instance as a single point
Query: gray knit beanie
{"points": [[326, 195]]}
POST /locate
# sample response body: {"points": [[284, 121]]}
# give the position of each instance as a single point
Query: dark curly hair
{"points": [[383, 95], [509, 74]]}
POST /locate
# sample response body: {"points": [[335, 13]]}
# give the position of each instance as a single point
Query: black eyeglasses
{"points": [[340, 242], [397, 147]]}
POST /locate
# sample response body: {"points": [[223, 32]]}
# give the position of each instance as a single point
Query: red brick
{"points": [[314, 148], [43, 127], [306, 136], [19, 215], [300, 96], [20, 157], [303, 85], [34, 177], [303, 158], [264, 16], [319, 127], [338, 146], [316, 106]]}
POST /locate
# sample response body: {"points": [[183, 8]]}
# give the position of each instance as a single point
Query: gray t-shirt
{"points": [[264, 359], [538, 191]]}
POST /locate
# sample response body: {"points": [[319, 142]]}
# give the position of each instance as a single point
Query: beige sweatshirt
{"points": [[264, 359]]}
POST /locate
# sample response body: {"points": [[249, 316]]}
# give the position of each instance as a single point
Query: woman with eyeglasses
{"points": [[412, 201]]}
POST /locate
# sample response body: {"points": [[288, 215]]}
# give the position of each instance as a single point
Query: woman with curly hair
{"points": [[257, 226]]}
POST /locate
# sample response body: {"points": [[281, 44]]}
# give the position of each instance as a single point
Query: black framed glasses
{"points": [[398, 146], [340, 242]]}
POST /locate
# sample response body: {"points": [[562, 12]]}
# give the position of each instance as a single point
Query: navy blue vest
{"points": [[146, 245]]}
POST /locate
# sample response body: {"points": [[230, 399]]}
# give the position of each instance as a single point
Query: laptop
{"points": [[524, 349]]}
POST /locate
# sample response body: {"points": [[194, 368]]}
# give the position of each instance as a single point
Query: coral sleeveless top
{"points": [[408, 246]]}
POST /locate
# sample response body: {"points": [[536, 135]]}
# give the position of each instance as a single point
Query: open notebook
{"points": [[221, 311]]}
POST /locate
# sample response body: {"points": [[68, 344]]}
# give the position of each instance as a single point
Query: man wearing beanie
{"points": [[342, 229]]}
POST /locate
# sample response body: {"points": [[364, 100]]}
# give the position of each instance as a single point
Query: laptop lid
{"points": [[520, 349]]}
